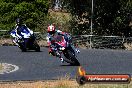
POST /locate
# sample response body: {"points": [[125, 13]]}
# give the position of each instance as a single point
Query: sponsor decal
{"points": [[83, 78]]}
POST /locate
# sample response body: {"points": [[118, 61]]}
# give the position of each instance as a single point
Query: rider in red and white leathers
{"points": [[51, 32]]}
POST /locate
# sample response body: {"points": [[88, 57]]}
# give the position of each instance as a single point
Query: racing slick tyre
{"points": [[70, 58], [37, 47], [23, 49]]}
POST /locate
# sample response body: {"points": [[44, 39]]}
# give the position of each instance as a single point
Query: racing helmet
{"points": [[51, 29], [19, 21]]}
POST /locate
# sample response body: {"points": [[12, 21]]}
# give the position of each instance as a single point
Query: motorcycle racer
{"points": [[51, 33], [24, 38], [21, 31]]}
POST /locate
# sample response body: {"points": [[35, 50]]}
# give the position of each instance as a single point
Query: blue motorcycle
{"points": [[28, 42]]}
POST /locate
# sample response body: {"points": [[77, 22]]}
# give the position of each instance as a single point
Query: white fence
{"points": [[101, 42], [3, 33], [90, 41]]}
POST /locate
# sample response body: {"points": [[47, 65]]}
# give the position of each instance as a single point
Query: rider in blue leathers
{"points": [[21, 31]]}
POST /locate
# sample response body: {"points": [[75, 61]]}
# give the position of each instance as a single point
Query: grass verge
{"points": [[59, 84]]}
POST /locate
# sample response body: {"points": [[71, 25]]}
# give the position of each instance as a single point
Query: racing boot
{"points": [[62, 60], [59, 56], [77, 50]]}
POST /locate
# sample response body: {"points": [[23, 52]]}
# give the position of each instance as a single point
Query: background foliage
{"points": [[33, 12], [110, 17]]}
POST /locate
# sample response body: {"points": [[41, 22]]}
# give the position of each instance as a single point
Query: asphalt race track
{"points": [[41, 66]]}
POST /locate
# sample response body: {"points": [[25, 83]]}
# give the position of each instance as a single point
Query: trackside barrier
{"points": [[101, 42], [4, 33], [40, 36], [98, 42]]}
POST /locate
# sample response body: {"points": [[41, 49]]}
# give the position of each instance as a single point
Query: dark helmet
{"points": [[19, 21]]}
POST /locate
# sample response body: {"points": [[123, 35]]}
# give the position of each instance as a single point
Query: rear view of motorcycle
{"points": [[27, 43]]}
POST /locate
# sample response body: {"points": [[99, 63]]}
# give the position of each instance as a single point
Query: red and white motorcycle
{"points": [[64, 47]]}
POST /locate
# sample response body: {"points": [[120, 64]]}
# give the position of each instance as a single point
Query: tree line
{"points": [[33, 13], [110, 17]]}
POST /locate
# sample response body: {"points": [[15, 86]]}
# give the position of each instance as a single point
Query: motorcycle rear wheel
{"points": [[70, 58]]}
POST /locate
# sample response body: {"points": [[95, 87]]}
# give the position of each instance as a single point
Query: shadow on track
{"points": [[69, 65]]}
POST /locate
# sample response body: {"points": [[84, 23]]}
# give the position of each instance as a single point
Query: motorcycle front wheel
{"points": [[36, 47], [23, 49]]}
